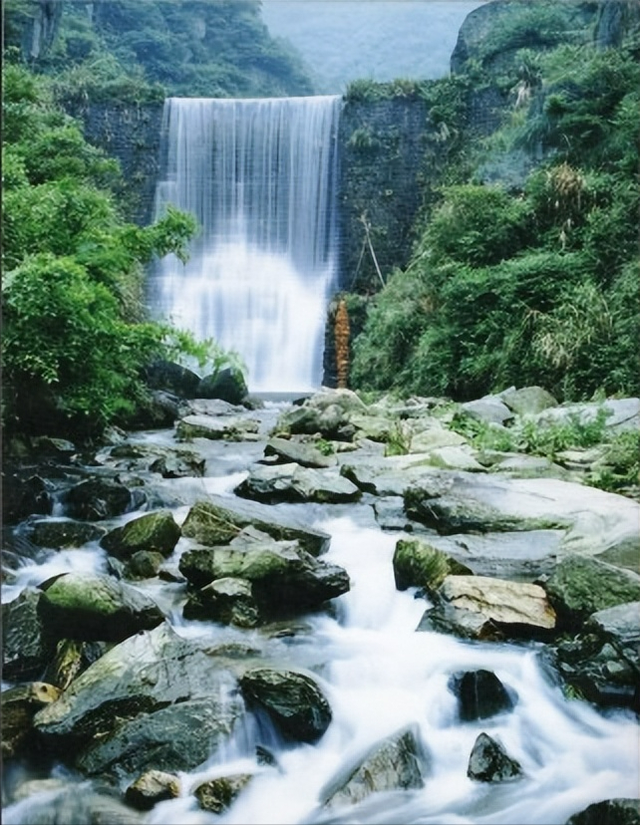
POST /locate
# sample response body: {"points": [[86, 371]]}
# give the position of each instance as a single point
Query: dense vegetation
{"points": [[526, 270], [74, 336], [134, 51]]}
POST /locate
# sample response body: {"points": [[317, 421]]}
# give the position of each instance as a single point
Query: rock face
{"points": [[489, 762], [87, 606], [398, 763], [25, 649], [293, 701]]}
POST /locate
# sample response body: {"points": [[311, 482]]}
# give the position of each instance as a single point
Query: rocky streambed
{"points": [[323, 612]]}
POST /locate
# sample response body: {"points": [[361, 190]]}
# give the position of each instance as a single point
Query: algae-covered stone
{"points": [[153, 531], [418, 564], [95, 607], [218, 520], [216, 795]]}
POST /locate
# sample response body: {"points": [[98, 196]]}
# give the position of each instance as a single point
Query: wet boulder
{"points": [[19, 706], [25, 648], [226, 384], [169, 462], [581, 585], [608, 812], [88, 807], [282, 575], [70, 659], [602, 663], [418, 564], [480, 695], [292, 483], [327, 413], [479, 607], [216, 795], [62, 534], [294, 450], [594, 522], [152, 532], [215, 428], [178, 737], [95, 607], [143, 564], [293, 701], [218, 520], [397, 763], [99, 498], [24, 493], [489, 762], [173, 378], [150, 788], [228, 600], [146, 672]]}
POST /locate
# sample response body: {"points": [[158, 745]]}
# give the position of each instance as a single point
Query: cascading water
{"points": [[260, 177]]}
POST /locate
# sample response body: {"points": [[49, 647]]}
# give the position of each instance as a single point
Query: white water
{"points": [[260, 177], [380, 675]]}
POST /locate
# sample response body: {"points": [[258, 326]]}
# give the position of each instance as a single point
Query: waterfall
{"points": [[260, 176]]}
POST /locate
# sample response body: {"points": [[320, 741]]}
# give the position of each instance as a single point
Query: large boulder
{"points": [[25, 648], [228, 600], [215, 428], [479, 607], [95, 606], [283, 576], [173, 378], [146, 672], [582, 585], [608, 812], [226, 384], [304, 453], [292, 483], [86, 808], [99, 498], [602, 663], [480, 695], [169, 462], [62, 533], [153, 531], [527, 400], [293, 701], [178, 737], [218, 520], [595, 522], [397, 763]]}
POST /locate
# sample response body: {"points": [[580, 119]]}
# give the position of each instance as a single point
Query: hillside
{"points": [[343, 40]]}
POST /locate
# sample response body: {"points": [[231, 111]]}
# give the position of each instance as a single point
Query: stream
{"points": [[379, 676]]}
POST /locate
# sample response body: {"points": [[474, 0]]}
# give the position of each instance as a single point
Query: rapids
{"points": [[379, 675]]}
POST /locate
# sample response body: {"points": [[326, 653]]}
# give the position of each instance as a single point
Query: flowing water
{"points": [[380, 675], [260, 176]]}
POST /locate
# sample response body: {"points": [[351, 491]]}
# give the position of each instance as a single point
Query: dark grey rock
{"points": [[25, 648], [489, 762], [608, 812], [480, 695], [293, 701]]}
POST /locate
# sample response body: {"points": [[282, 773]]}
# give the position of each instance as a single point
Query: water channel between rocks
{"points": [[379, 676]]}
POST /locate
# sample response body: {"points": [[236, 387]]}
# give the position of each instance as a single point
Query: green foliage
{"points": [[533, 285], [325, 447], [135, 52], [75, 340], [620, 466]]}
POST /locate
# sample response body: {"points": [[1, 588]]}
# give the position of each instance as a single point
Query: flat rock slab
{"points": [[594, 522], [220, 519]]}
